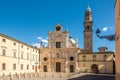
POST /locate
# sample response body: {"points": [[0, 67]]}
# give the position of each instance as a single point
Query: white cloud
{"points": [[104, 29], [42, 39], [44, 42], [36, 45]]}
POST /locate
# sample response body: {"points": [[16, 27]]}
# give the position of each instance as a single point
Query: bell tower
{"points": [[88, 32]]}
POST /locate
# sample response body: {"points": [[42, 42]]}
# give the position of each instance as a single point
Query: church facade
{"points": [[61, 54], [64, 55]]}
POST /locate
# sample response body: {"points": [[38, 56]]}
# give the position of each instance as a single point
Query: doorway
{"points": [[71, 68], [45, 68], [58, 67], [94, 68]]}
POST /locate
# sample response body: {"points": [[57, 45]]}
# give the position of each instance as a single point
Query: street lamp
{"points": [[108, 37]]}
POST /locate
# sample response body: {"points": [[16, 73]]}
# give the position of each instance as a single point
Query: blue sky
{"points": [[30, 20]]}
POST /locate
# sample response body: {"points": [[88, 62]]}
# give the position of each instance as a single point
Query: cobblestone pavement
{"points": [[81, 76]]}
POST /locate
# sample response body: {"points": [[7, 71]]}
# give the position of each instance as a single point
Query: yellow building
{"points": [[17, 57], [96, 62]]}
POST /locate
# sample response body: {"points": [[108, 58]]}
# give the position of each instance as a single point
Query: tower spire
{"points": [[41, 44]]}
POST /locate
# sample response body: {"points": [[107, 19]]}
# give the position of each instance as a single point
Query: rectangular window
{"points": [[33, 67], [58, 44], [105, 57], [27, 67], [3, 52], [3, 66], [84, 58], [94, 57], [21, 66], [33, 57], [36, 58], [14, 66], [21, 46], [27, 56], [21, 55], [14, 54]]}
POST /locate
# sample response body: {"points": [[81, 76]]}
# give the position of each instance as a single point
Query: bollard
{"points": [[3, 74], [10, 76], [60, 75], [45, 74], [52, 75]]}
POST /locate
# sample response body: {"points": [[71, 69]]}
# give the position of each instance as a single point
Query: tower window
{"points": [[58, 44], [88, 28]]}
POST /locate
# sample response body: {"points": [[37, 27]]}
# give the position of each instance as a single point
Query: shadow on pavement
{"points": [[94, 77]]}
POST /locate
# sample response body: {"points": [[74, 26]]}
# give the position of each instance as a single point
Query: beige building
{"points": [[17, 57]]}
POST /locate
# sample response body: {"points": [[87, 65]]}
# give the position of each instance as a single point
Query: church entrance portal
{"points": [[71, 68], [58, 67], [45, 68]]}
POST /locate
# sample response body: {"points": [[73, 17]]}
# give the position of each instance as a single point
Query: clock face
{"points": [[58, 28]]}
